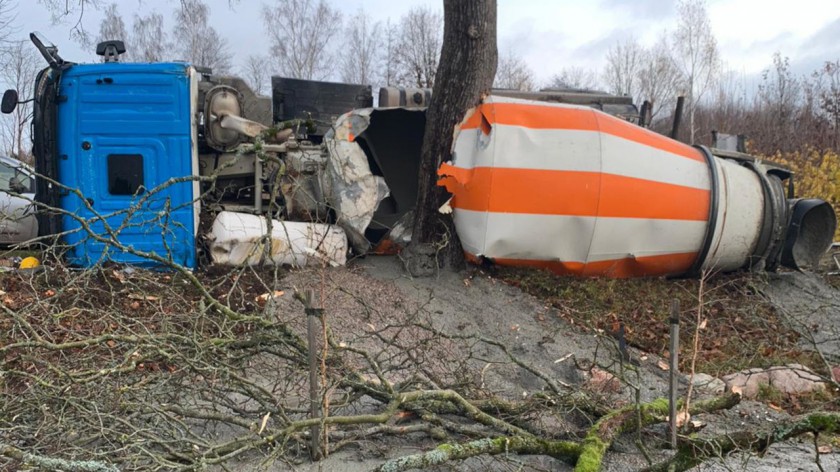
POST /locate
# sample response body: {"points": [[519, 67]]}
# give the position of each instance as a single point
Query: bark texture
{"points": [[467, 67], [564, 450], [610, 426], [694, 451]]}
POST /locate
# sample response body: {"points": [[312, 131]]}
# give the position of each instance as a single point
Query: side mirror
{"points": [[10, 101]]}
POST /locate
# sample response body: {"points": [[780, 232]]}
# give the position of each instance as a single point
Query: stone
{"points": [[748, 381], [794, 379], [601, 381], [791, 379], [708, 383]]}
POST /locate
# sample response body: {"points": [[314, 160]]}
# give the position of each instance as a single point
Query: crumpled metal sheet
{"points": [[351, 188]]}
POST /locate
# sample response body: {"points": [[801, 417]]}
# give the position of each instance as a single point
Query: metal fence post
{"points": [[313, 324], [674, 370]]}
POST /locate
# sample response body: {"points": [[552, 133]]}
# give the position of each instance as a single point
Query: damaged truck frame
{"points": [[165, 163]]}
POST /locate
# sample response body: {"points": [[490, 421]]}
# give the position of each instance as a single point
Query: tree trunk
{"points": [[466, 71]]}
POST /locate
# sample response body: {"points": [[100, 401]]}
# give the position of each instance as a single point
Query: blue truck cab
{"points": [[116, 144]]}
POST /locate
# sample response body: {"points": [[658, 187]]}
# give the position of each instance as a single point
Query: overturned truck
{"points": [[165, 163], [582, 192]]}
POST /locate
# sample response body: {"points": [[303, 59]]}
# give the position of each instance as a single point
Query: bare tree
{"points": [[727, 108], [573, 77], [300, 33], [696, 54], [778, 100], [826, 91], [74, 10], [62, 10], [359, 56], [149, 38], [659, 78], [514, 73], [418, 47], [21, 66], [112, 27], [198, 42], [624, 61], [389, 57], [255, 72], [195, 40], [7, 20]]}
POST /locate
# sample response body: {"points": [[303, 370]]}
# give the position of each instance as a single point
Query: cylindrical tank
{"points": [[405, 97], [581, 192], [239, 239]]}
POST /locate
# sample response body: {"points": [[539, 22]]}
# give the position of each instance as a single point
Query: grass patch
{"points": [[742, 330]]}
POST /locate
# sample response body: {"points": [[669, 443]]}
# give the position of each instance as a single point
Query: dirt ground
{"points": [[561, 332], [474, 302], [811, 305]]}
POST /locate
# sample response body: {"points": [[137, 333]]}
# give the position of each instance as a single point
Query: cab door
{"points": [[126, 161]]}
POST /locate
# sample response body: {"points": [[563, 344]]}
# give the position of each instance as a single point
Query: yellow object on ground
{"points": [[29, 263]]}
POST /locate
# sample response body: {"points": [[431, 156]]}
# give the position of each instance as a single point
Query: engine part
{"points": [[405, 97], [219, 102]]}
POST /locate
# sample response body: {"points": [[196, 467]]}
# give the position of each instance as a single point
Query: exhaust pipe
{"points": [[581, 192]]}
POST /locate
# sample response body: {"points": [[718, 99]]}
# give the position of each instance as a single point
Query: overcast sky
{"points": [[548, 34]]}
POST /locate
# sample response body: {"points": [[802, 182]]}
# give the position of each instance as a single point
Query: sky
{"points": [[548, 34]]}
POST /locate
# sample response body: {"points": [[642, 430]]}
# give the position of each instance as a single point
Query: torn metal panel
{"points": [[398, 238], [393, 141], [371, 175], [350, 187], [240, 239]]}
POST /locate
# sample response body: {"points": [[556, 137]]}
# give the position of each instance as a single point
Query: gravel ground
{"points": [[474, 303], [812, 307]]}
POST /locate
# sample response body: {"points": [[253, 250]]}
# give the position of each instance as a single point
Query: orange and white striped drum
{"points": [[581, 192]]}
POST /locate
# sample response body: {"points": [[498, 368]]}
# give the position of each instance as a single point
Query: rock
{"points": [[794, 379], [602, 381], [748, 381], [709, 383], [791, 379]]}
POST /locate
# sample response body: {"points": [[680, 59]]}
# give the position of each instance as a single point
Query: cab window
{"points": [[14, 180]]}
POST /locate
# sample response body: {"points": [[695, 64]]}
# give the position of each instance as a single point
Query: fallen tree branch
{"points": [[53, 463], [585, 456], [694, 451], [605, 430], [566, 451]]}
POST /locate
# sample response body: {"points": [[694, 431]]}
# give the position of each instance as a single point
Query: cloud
{"points": [[597, 48], [645, 10], [825, 42]]}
